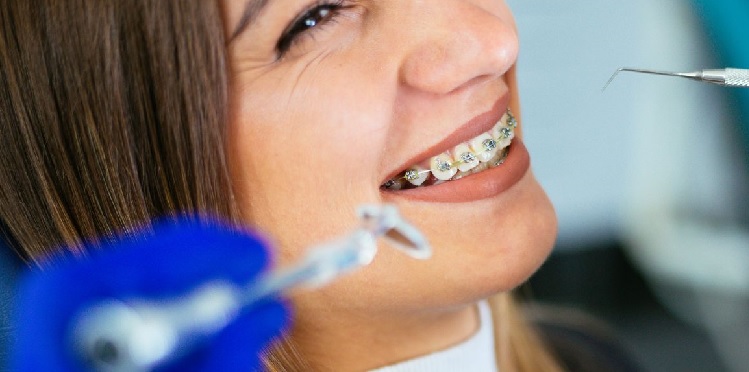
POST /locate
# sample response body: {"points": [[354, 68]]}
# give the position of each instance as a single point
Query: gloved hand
{"points": [[171, 261]]}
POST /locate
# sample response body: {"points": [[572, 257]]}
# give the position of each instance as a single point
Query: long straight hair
{"points": [[114, 113]]}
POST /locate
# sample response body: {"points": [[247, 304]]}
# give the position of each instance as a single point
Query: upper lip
{"points": [[477, 125]]}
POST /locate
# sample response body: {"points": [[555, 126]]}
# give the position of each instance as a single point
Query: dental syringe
{"points": [[139, 335], [728, 77]]}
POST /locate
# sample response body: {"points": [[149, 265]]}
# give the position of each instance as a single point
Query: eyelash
{"points": [[301, 26]]}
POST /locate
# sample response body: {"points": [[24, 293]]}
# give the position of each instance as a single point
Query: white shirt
{"points": [[477, 354]]}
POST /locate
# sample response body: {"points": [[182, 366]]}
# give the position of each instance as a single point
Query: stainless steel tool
{"points": [[137, 334], [728, 77]]}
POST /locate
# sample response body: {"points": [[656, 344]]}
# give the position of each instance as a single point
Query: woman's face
{"points": [[331, 99]]}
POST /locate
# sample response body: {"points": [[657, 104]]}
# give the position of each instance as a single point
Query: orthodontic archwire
{"points": [[489, 144], [728, 77]]}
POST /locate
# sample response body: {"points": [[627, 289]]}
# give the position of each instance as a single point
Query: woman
{"points": [[284, 115]]}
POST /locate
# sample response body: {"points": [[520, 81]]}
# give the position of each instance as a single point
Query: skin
{"points": [[314, 134]]}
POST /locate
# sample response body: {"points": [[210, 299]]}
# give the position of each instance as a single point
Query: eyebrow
{"points": [[251, 10]]}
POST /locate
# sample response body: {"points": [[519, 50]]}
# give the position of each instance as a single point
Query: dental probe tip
{"points": [[612, 78], [689, 75], [727, 77]]}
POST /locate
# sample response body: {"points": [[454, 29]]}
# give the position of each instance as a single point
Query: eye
{"points": [[319, 14]]}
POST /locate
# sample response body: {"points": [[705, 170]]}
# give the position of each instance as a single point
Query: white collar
{"points": [[475, 354]]}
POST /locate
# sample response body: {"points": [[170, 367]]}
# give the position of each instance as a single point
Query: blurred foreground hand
{"points": [[171, 261]]}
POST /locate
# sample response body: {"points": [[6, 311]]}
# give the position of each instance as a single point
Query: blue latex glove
{"points": [[174, 260]]}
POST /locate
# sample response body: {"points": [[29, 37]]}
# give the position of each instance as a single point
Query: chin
{"points": [[515, 236], [481, 248]]}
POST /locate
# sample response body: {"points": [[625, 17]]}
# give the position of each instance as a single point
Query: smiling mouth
{"points": [[485, 151]]}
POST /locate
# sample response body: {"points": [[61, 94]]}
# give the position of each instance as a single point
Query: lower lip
{"points": [[483, 185]]}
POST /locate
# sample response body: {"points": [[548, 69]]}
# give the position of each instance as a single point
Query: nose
{"points": [[454, 44]]}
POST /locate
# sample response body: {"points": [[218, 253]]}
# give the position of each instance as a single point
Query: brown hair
{"points": [[113, 113]]}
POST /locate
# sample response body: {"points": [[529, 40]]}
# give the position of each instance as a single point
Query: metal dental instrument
{"points": [[140, 335], [729, 77]]}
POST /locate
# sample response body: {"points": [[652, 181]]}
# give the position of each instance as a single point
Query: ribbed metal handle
{"points": [[737, 77]]}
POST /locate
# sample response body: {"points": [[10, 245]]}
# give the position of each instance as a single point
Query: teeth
{"points": [[394, 184], [503, 133], [465, 157], [488, 150], [442, 167], [511, 121], [482, 167], [416, 175], [484, 146]]}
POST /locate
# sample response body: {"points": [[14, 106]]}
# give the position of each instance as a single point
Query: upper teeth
{"points": [[417, 176], [442, 166], [465, 156], [468, 160]]}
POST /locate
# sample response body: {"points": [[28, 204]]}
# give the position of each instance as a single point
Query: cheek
{"points": [[301, 165]]}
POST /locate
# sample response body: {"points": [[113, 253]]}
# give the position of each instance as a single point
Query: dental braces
{"points": [[490, 144]]}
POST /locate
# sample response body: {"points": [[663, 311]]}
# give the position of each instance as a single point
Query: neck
{"points": [[360, 341]]}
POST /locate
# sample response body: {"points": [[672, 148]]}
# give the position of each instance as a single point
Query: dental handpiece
{"points": [[140, 335], [728, 77]]}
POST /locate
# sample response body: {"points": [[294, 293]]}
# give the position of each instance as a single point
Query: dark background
{"points": [[603, 283]]}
